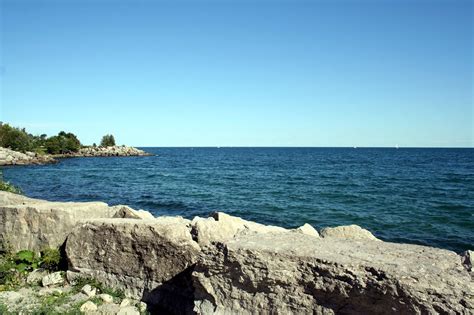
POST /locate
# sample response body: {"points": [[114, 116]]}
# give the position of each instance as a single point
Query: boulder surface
{"points": [[27, 223], [147, 259], [292, 273]]}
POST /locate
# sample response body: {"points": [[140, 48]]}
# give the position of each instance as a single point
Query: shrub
{"points": [[62, 143], [107, 141], [6, 186]]}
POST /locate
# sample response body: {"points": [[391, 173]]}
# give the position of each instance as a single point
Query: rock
{"points": [[307, 229], [128, 310], [106, 298], [88, 290], [468, 259], [142, 307], [11, 157], [126, 302], [221, 227], [50, 291], [88, 307], [353, 231], [52, 279], [149, 259], [108, 309], [10, 296], [293, 273], [36, 276], [32, 224]]}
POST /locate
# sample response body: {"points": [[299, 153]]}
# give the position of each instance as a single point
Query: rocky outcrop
{"points": [[10, 157], [106, 151], [222, 227], [353, 232], [147, 259], [228, 265], [33, 224], [287, 273]]}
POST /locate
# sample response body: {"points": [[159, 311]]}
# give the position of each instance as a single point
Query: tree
{"points": [[63, 143], [107, 141]]}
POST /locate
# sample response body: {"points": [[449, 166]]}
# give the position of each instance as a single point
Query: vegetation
{"points": [[6, 186], [14, 268], [20, 140], [107, 141]]}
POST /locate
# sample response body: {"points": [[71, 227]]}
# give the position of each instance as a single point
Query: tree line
{"points": [[64, 142]]}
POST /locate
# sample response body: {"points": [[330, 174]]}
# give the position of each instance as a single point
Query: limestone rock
{"points": [[36, 276], [353, 231], [307, 229], [468, 259], [128, 310], [145, 258], [11, 157], [52, 279], [88, 290], [126, 302], [108, 309], [106, 298], [88, 307], [292, 273], [32, 224], [221, 227]]}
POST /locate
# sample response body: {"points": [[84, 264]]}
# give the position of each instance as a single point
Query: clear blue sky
{"points": [[241, 73]]}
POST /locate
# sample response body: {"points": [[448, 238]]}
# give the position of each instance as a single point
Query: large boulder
{"points": [[220, 227], [147, 259], [291, 273], [27, 223], [353, 232]]}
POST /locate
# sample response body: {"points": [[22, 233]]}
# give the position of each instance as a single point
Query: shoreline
{"points": [[10, 157], [227, 264]]}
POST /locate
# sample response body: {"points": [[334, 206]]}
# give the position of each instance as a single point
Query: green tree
{"points": [[15, 138], [107, 141], [63, 143]]}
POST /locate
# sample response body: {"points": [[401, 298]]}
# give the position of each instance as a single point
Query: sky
{"points": [[241, 73]]}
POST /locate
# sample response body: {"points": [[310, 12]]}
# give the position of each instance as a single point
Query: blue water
{"points": [[422, 196]]}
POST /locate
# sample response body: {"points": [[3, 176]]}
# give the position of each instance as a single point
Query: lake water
{"points": [[421, 196]]}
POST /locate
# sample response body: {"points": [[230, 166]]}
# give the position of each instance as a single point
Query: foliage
{"points": [[15, 138], [81, 281], [107, 141], [6, 186], [15, 267], [62, 143], [20, 140], [51, 259]]}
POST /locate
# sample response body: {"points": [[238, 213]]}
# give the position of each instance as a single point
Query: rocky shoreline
{"points": [[10, 157], [227, 265]]}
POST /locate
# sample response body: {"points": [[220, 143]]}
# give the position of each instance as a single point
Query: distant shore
{"points": [[10, 157]]}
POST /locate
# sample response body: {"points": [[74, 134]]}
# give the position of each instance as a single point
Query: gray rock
{"points": [[292, 273], [126, 302], [88, 307], [106, 298], [108, 309], [144, 258], [222, 227], [353, 232], [36, 276], [128, 310], [468, 259], [52, 279], [307, 229], [27, 223], [88, 290]]}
